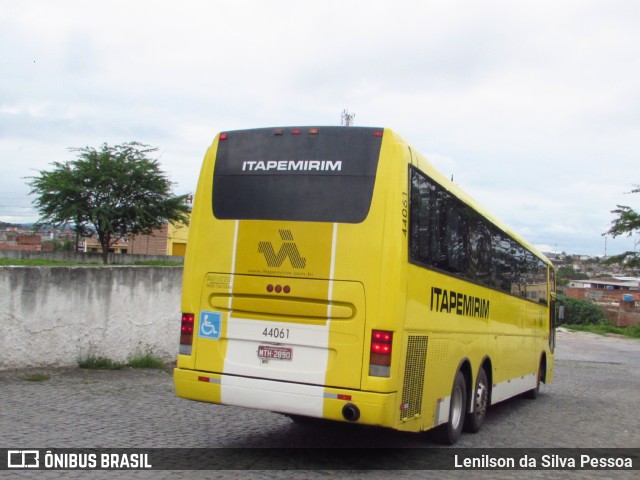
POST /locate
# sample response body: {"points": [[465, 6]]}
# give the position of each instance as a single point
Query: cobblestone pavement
{"points": [[592, 403]]}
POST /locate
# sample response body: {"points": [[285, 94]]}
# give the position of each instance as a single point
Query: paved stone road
{"points": [[593, 402]]}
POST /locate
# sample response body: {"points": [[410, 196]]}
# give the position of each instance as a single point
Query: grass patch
{"points": [[36, 377], [148, 359], [157, 263], [632, 332], [36, 262], [98, 362]]}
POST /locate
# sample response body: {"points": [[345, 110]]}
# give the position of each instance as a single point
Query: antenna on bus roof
{"points": [[347, 118]]}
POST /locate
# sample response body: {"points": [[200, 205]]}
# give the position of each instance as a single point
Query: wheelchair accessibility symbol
{"points": [[209, 325]]}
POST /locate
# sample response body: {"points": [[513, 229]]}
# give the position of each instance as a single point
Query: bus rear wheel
{"points": [[475, 419], [450, 432]]}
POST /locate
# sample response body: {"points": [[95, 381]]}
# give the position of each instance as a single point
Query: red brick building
{"points": [[619, 299], [168, 240]]}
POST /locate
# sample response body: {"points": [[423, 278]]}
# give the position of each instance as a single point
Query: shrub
{"points": [[581, 312], [98, 362], [633, 331], [146, 359]]}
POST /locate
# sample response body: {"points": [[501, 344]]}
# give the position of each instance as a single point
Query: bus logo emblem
{"points": [[287, 249]]}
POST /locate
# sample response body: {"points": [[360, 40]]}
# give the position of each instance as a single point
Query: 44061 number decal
{"points": [[278, 333]]}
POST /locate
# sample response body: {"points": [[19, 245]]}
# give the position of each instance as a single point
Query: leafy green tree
{"points": [[626, 223], [581, 312], [566, 273], [109, 193]]}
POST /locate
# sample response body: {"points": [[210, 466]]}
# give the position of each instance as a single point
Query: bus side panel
{"points": [[378, 249], [203, 237], [489, 326]]}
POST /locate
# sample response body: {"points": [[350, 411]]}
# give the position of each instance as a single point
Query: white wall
{"points": [[50, 316]]}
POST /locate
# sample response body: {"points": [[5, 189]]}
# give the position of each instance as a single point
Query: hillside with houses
{"points": [[613, 287], [169, 240]]}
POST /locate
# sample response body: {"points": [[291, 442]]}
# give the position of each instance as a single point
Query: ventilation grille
{"points": [[414, 376]]}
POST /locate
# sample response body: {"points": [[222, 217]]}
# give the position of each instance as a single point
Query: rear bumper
{"points": [[284, 397]]}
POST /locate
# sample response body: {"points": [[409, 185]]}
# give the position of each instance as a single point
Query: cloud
{"points": [[531, 106]]}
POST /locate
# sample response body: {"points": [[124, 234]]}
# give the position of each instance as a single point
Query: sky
{"points": [[532, 106]]}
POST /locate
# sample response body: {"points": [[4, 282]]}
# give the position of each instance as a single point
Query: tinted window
{"points": [[272, 174], [448, 235]]}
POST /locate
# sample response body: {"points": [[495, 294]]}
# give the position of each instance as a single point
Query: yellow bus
{"points": [[332, 272]]}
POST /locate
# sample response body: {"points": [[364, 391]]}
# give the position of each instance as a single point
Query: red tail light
{"points": [[380, 356], [186, 333]]}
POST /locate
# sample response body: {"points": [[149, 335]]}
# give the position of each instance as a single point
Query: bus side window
{"points": [[449, 235], [457, 241], [480, 257]]}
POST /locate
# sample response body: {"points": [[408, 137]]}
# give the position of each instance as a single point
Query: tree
{"points": [[581, 312], [626, 223], [566, 273], [109, 193]]}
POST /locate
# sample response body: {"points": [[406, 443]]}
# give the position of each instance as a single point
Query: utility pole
{"points": [[347, 118]]}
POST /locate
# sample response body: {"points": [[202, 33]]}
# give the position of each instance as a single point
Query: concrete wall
{"points": [[50, 316], [78, 257]]}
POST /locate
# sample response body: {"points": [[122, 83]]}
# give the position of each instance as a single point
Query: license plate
{"points": [[275, 353]]}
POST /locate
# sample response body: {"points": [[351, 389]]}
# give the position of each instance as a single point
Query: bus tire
{"points": [[533, 393], [474, 420], [450, 432]]}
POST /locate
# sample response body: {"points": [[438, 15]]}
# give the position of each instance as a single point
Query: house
{"points": [[169, 240], [614, 283], [92, 245], [619, 297]]}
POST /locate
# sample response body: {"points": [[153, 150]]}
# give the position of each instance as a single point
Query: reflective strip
{"points": [[209, 380], [233, 263], [337, 396], [332, 268]]}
